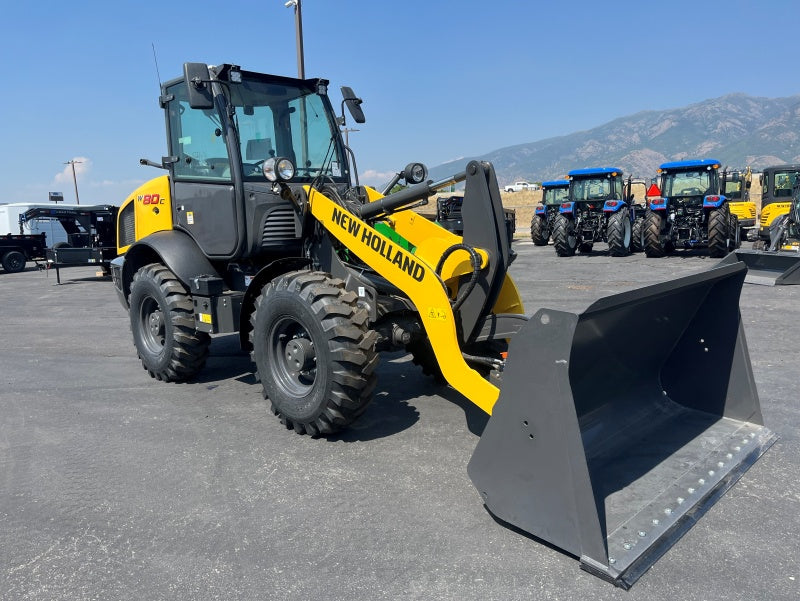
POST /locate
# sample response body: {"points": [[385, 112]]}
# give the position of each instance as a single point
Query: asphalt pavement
{"points": [[116, 486]]}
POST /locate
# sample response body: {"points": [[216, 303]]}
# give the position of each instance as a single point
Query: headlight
{"points": [[278, 169], [415, 173]]}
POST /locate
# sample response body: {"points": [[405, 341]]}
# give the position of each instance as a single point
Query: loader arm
{"points": [[416, 278]]}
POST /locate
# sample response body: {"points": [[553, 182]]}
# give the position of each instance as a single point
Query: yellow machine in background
{"points": [[261, 228]]}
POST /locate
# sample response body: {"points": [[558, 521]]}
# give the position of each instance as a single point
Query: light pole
{"points": [[74, 179], [346, 131], [298, 25]]}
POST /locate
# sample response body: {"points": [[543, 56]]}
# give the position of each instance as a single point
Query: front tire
{"points": [[619, 233], [162, 322], [637, 242], [564, 238], [13, 261], [314, 352]]}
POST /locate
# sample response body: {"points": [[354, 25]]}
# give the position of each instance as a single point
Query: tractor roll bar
{"points": [[412, 194]]}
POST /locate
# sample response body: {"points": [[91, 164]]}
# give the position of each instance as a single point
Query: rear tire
{"points": [[719, 233], [13, 261], [619, 233], [162, 322], [314, 352], [651, 235], [564, 238], [539, 233]]}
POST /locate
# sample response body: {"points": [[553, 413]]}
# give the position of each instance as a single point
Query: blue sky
{"points": [[439, 80]]}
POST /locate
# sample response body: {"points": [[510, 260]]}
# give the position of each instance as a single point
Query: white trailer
{"points": [[9, 221]]}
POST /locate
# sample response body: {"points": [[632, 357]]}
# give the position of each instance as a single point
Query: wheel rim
{"points": [[293, 358], [16, 263], [628, 235], [153, 326]]}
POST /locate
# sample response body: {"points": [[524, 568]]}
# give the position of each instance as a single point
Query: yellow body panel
{"points": [[414, 274], [431, 241], [770, 212], [152, 208], [743, 210]]}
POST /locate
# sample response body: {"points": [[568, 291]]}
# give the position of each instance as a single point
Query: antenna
{"points": [[155, 59]]}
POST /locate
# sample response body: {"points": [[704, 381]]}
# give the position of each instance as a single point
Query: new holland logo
{"points": [[385, 249]]}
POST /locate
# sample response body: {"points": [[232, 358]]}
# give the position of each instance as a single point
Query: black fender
{"points": [[268, 272], [175, 249]]}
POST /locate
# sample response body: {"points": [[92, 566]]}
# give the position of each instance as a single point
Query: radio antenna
{"points": [[155, 60]]}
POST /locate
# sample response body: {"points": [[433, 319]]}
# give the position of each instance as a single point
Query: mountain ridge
{"points": [[737, 129]]}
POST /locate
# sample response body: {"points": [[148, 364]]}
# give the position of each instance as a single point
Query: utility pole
{"points": [[298, 25], [74, 179]]}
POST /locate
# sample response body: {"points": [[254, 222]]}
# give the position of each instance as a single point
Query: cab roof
{"points": [[594, 171], [690, 164], [556, 183]]}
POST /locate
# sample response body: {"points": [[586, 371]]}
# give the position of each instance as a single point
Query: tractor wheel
{"points": [[162, 322], [539, 233], [651, 235], [13, 261], [422, 354], [736, 239], [719, 233], [314, 352], [637, 243], [564, 237], [619, 233]]}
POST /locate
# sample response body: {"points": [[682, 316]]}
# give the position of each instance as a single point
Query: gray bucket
{"points": [[617, 428], [768, 268]]}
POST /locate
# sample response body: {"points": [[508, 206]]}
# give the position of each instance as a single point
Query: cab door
{"points": [[204, 199]]}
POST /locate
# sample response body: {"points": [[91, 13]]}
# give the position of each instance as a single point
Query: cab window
{"points": [[195, 137]]}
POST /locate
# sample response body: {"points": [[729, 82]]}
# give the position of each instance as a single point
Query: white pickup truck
{"points": [[519, 186]]}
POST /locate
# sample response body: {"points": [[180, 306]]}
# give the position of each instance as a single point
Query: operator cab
{"points": [[595, 186], [555, 192], [689, 182], [224, 125]]}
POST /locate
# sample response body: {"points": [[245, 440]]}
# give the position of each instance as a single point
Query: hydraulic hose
{"points": [[476, 268]]}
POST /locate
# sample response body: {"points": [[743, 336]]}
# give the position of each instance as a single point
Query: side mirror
{"points": [[353, 104], [196, 77]]}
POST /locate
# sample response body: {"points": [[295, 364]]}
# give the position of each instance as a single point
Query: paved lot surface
{"points": [[115, 486]]}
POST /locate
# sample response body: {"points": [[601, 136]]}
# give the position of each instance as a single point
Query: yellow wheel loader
{"points": [[777, 264], [261, 227]]}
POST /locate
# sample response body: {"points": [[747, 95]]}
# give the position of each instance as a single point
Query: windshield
{"points": [[733, 189], [555, 196], [594, 188], [272, 120], [686, 183], [784, 183]]}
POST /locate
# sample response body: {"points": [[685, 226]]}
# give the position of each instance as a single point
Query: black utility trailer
{"points": [[91, 235], [16, 250]]}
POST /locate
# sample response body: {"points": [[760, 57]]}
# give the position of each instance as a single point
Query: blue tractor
{"points": [[691, 212], [599, 208], [554, 193]]}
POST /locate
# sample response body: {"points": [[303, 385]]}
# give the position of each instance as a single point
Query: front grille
{"points": [[280, 226], [127, 225]]}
